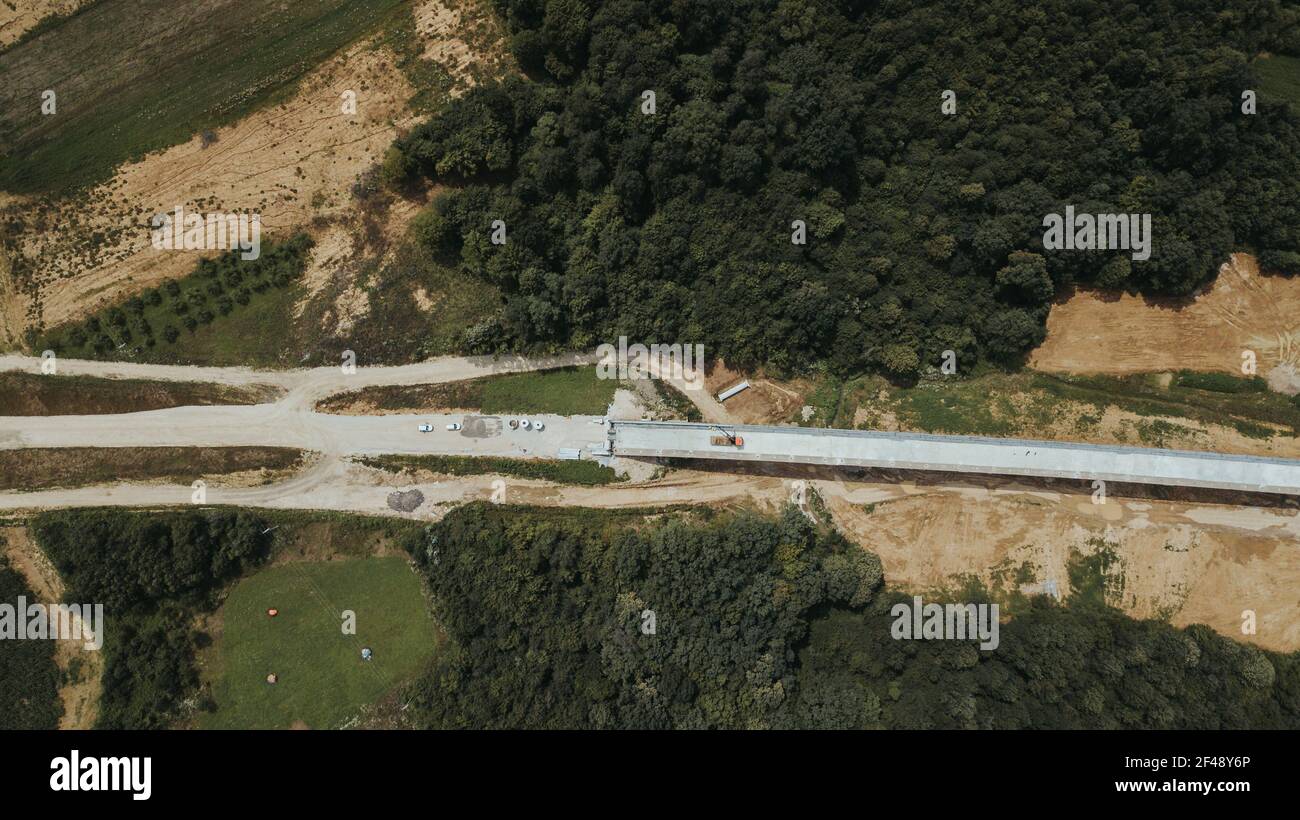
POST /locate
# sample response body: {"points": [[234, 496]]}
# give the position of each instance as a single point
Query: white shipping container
{"points": [[731, 391]]}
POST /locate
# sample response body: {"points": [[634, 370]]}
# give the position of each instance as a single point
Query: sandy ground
{"points": [[765, 402], [81, 688], [295, 164], [290, 163], [1241, 310], [17, 16]]}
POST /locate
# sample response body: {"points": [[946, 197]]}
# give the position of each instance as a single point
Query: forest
{"points": [[153, 573], [924, 226], [775, 622], [29, 678]]}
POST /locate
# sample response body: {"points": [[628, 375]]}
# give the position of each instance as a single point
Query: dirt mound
{"points": [[406, 502]]}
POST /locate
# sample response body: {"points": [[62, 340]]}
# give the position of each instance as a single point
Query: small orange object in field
{"points": [[273, 612]]}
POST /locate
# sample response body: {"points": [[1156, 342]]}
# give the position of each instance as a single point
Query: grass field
{"points": [[1280, 77], [41, 468], [585, 473], [27, 394], [135, 76], [569, 391], [322, 680]]}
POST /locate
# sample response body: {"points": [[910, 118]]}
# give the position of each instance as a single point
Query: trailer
{"points": [[731, 391]]}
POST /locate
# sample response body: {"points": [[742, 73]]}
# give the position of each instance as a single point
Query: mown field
{"points": [[135, 76], [568, 391], [322, 680]]}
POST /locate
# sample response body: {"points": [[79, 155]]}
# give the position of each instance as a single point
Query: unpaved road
{"points": [[289, 420], [1190, 563]]}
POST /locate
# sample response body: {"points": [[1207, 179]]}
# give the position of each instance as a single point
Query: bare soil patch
{"points": [[19, 16], [26, 394], [43, 468], [1095, 332], [767, 401]]}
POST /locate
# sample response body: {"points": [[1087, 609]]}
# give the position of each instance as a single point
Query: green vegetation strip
{"points": [[1030, 404], [569, 391], [43, 467], [586, 473], [26, 394]]}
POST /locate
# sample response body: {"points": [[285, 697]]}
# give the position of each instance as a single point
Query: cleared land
{"points": [[42, 468], [1118, 334], [26, 394], [322, 681], [570, 391], [583, 473]]}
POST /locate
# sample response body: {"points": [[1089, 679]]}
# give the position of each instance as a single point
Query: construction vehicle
{"points": [[727, 439]]}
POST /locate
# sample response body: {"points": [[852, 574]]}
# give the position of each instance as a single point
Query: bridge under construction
{"points": [[957, 454]]}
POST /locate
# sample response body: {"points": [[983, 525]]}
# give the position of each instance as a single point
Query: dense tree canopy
{"points": [[764, 622], [29, 678], [924, 230]]}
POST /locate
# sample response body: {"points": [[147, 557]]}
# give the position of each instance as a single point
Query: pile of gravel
{"points": [[405, 501]]}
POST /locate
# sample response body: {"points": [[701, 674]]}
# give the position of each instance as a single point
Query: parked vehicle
{"points": [[454, 426], [426, 428]]}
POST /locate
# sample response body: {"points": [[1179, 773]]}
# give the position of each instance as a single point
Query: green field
{"points": [[136, 76], [1280, 77], [567, 391], [322, 680]]}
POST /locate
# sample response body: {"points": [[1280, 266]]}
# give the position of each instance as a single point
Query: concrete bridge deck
{"points": [[959, 454]]}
